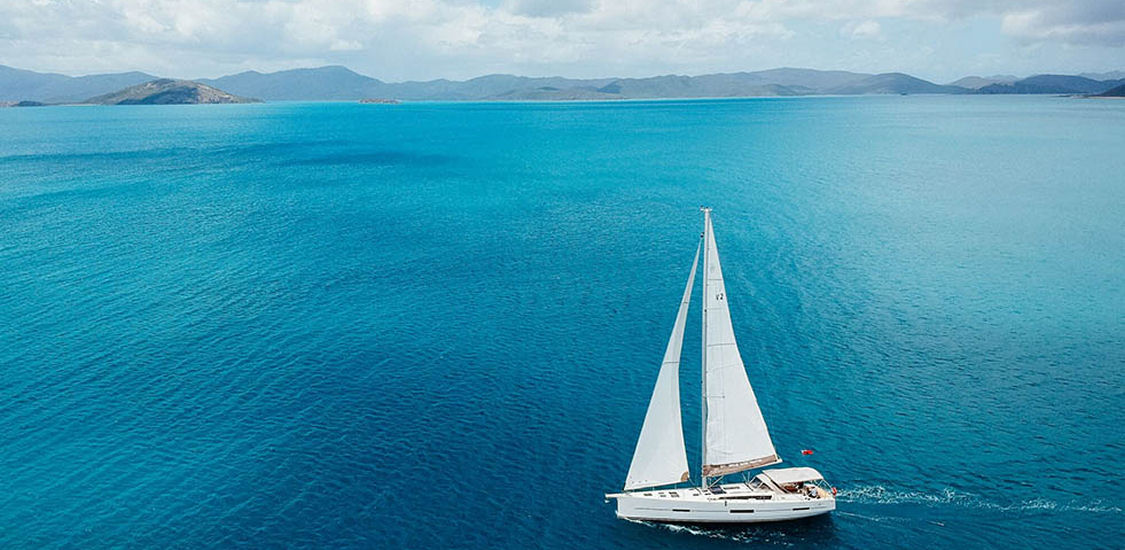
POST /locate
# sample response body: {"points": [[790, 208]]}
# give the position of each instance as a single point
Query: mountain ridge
{"points": [[337, 82], [978, 82], [328, 82], [895, 83], [1052, 84], [20, 85], [1114, 92]]}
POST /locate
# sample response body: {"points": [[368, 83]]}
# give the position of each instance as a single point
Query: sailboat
{"points": [[735, 437]]}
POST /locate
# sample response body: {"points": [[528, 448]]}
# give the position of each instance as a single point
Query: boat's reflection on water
{"points": [[800, 533]]}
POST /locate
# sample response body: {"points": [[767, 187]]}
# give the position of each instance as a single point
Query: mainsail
{"points": [[735, 435], [660, 457]]}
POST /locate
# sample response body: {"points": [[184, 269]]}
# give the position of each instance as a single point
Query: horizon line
{"points": [[345, 67]]}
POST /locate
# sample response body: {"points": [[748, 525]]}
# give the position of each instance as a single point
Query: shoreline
{"points": [[399, 102]]}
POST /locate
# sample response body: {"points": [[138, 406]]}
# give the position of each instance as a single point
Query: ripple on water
{"points": [[314, 325]]}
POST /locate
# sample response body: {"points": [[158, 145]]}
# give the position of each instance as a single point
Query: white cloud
{"points": [[547, 8], [460, 38], [1098, 22], [862, 29]]}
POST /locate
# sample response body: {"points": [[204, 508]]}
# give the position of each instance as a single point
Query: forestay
{"points": [[660, 457], [736, 437]]}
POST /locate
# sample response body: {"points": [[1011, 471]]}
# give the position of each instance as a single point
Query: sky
{"points": [[394, 40]]}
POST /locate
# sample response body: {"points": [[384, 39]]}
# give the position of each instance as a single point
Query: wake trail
{"points": [[878, 494]]}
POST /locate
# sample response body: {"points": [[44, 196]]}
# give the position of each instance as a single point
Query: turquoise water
{"points": [[437, 325]]}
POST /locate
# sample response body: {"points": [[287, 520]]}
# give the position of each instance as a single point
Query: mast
{"points": [[703, 363]]}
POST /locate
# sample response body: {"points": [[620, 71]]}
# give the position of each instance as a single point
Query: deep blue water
{"points": [[437, 325]]}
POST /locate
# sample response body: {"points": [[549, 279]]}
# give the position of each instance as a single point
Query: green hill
{"points": [[166, 91], [1115, 92]]}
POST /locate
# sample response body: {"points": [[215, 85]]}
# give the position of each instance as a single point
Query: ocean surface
{"points": [[438, 325]]}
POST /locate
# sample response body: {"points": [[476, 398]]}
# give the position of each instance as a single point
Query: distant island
{"points": [[1115, 92], [380, 101], [165, 91], [160, 91], [337, 83], [28, 103]]}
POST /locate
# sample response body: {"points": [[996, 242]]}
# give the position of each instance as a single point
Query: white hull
{"points": [[738, 504]]}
